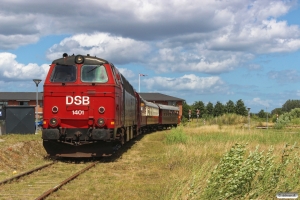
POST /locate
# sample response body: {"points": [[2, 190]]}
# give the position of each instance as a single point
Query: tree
{"points": [[210, 109], [240, 108], [218, 109], [199, 105], [185, 109], [290, 104], [277, 111], [261, 114], [229, 107]]}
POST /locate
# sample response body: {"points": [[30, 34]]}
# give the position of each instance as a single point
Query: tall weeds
{"points": [[256, 176], [289, 118], [226, 119], [176, 136]]}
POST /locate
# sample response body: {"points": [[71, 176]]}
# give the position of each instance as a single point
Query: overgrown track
{"points": [[25, 173], [42, 181]]}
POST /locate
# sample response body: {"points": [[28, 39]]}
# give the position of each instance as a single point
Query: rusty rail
{"points": [[25, 173], [47, 193]]}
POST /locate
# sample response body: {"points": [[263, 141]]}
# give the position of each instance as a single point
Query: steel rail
{"points": [[25, 173], [54, 189]]}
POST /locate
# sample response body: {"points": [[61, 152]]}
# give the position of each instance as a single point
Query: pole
{"points": [[37, 81], [249, 121], [248, 118], [139, 83], [36, 112], [267, 117]]}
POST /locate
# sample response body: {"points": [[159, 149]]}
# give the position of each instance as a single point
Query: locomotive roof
{"points": [[88, 60]]}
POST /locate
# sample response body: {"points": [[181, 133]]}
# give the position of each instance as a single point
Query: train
{"points": [[91, 109]]}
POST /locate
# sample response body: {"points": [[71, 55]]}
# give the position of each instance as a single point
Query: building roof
{"points": [[5, 96], [159, 97]]}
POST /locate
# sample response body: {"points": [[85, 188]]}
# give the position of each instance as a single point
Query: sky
{"points": [[196, 50]]}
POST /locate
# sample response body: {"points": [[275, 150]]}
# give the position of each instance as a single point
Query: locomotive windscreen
{"points": [[94, 73], [64, 73]]}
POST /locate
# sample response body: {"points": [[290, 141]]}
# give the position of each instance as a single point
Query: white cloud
{"points": [[171, 37], [127, 73], [197, 60], [259, 102], [191, 82], [15, 41], [223, 23], [11, 70], [115, 49], [285, 76]]}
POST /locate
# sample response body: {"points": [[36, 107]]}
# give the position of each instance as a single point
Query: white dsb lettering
{"points": [[85, 100], [77, 100], [69, 100]]}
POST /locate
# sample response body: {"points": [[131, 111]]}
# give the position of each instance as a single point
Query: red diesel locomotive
{"points": [[90, 109]]}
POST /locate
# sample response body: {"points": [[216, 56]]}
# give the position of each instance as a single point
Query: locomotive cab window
{"points": [[64, 73], [94, 73]]}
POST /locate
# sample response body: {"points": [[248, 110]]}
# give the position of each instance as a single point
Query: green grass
{"points": [[19, 153], [9, 139], [193, 162], [176, 136], [269, 137]]}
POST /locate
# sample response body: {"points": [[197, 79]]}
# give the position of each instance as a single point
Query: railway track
{"points": [[42, 181]]}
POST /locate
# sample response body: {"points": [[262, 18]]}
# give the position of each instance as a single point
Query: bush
{"points": [[184, 121], [290, 118], [176, 136], [227, 119], [257, 175]]}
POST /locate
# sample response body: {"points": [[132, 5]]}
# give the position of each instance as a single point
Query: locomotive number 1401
{"points": [[78, 112]]}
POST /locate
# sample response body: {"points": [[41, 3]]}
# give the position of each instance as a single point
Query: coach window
{"points": [[63, 73], [23, 103], [94, 73]]}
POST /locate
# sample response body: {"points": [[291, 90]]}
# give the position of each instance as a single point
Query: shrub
{"points": [[176, 136], [289, 118], [258, 175], [184, 121]]}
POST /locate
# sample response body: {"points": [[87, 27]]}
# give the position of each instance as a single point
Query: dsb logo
{"points": [[78, 100]]}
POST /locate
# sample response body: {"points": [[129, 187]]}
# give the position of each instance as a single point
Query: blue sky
{"points": [[195, 50]]}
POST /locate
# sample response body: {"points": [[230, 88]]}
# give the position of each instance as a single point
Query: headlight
{"points": [[101, 109], [53, 122], [101, 122], [79, 59], [54, 109]]}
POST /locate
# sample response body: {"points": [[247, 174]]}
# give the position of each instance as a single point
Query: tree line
{"points": [[211, 110], [286, 107], [239, 108]]}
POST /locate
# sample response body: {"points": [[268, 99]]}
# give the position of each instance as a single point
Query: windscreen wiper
{"points": [[93, 69]]}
